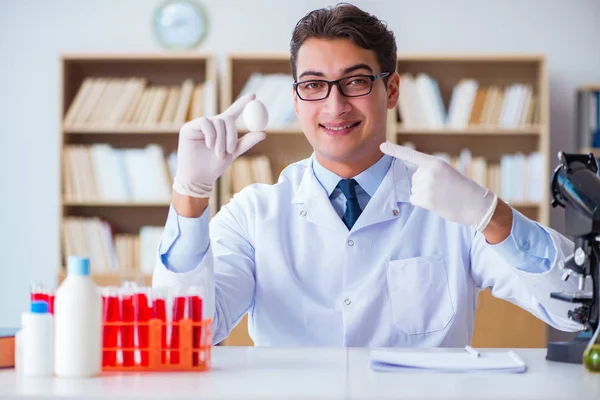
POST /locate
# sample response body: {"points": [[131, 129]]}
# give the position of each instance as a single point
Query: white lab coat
{"points": [[402, 276]]}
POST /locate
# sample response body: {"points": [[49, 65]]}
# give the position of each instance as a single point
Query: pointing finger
{"points": [[406, 154]]}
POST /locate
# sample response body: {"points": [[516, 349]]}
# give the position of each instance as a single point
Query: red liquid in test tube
{"points": [[51, 301], [127, 329], [179, 313], [142, 316], [159, 306], [38, 293], [110, 333], [195, 311]]}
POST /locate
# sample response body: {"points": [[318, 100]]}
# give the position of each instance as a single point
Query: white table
{"points": [[315, 373]]}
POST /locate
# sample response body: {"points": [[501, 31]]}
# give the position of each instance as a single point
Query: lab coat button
{"points": [[347, 302], [525, 246], [350, 243], [395, 212], [303, 213]]}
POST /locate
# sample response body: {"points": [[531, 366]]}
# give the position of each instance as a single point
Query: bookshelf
{"points": [[124, 104], [498, 323], [285, 142]]}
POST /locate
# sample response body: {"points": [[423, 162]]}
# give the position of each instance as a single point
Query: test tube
{"points": [[127, 328], [179, 313], [195, 311], [159, 306], [142, 317], [110, 332], [37, 292], [51, 294]]}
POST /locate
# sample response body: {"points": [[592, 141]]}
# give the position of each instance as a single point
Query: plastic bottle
{"points": [[78, 323], [36, 339]]}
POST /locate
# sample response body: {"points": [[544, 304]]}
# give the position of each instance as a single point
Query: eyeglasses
{"points": [[349, 86]]}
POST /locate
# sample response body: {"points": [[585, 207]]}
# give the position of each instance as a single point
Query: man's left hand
{"points": [[438, 187]]}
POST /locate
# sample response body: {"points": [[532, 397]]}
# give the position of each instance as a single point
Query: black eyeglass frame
{"points": [[372, 78]]}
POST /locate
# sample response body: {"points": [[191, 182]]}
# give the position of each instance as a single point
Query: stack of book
{"points": [[515, 178], [108, 253], [102, 173], [250, 169], [7, 347], [421, 105], [133, 102], [245, 171]]}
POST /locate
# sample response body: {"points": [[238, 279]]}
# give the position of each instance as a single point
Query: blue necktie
{"points": [[348, 188]]}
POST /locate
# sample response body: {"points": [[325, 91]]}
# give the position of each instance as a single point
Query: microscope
{"points": [[575, 186]]}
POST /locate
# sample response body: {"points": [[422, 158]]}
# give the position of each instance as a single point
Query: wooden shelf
{"points": [[586, 150], [472, 130], [592, 87], [114, 204], [490, 142], [471, 57], [283, 145], [281, 131], [284, 131], [106, 130], [137, 57], [86, 236], [113, 279], [90, 130], [260, 57]]}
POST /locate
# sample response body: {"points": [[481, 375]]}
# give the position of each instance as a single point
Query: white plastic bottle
{"points": [[36, 339], [78, 323]]}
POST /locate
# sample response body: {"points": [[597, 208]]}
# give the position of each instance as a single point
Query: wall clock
{"points": [[180, 24]]}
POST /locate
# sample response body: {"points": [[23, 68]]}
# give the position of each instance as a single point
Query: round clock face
{"points": [[180, 24]]}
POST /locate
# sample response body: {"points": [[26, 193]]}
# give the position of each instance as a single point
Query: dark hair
{"points": [[346, 21]]}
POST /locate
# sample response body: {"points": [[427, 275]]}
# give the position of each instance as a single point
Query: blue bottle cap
{"points": [[39, 307], [78, 265]]}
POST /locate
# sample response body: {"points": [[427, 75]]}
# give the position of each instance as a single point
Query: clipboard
{"points": [[458, 362]]}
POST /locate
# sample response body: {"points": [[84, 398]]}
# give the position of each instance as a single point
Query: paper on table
{"points": [[391, 360]]}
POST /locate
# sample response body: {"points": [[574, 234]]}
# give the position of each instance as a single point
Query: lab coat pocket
{"points": [[419, 294]]}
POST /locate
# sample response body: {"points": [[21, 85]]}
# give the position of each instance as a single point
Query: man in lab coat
{"points": [[365, 243]]}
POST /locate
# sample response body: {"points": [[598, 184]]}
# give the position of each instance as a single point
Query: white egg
{"points": [[256, 116]]}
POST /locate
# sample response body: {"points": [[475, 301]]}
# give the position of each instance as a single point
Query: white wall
{"points": [[33, 33]]}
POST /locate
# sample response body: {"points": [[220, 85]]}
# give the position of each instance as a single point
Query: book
{"points": [[7, 347], [440, 361]]}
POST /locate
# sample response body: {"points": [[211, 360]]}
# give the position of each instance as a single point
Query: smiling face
{"points": [[345, 132]]}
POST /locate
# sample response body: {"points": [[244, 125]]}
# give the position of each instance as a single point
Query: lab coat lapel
{"points": [[314, 205], [383, 206]]}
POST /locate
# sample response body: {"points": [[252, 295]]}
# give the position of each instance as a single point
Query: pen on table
{"points": [[472, 351]]}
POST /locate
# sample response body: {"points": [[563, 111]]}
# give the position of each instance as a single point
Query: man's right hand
{"points": [[207, 147]]}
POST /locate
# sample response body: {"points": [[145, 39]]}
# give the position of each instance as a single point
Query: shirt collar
{"points": [[369, 179]]}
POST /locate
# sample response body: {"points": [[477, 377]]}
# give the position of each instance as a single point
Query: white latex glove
{"points": [[207, 147], [438, 187]]}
